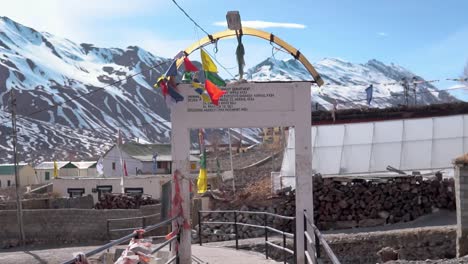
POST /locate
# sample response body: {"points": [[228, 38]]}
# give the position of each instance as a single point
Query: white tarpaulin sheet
{"points": [[411, 144]]}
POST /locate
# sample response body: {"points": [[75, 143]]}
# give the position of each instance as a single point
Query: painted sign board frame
{"points": [[255, 105]]}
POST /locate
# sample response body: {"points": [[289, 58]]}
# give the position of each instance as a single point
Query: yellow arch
{"points": [[257, 33]]}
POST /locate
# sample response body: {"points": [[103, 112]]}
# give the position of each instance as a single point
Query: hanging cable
{"points": [[188, 16]]}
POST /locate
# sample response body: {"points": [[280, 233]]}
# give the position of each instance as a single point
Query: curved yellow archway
{"points": [[256, 33]]}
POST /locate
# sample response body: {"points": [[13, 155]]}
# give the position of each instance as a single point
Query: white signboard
{"points": [[245, 98]]}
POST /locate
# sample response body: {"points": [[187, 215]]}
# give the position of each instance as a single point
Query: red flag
{"points": [[125, 169], [189, 67], [164, 88], [214, 92]]}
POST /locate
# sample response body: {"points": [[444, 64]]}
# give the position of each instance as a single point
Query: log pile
{"points": [[123, 201], [366, 203], [340, 203]]}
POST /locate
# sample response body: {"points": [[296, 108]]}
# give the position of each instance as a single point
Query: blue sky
{"points": [[428, 37]]}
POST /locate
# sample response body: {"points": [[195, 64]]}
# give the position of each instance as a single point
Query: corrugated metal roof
{"points": [[84, 164], [161, 158], [9, 169], [49, 165], [145, 152], [137, 149]]}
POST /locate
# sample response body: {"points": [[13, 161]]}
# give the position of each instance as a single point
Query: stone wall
{"points": [[85, 202], [361, 248], [70, 226], [411, 244]]}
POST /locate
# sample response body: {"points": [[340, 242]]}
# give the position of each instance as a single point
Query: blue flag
{"points": [[174, 94], [369, 92], [172, 71]]}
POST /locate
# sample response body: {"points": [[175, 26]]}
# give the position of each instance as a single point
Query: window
{"points": [[8, 183], [134, 191], [75, 192], [101, 189], [113, 165], [162, 164], [47, 175]]}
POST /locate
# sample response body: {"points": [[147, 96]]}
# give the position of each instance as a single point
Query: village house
{"points": [[86, 168], [45, 170], [25, 172], [138, 160]]}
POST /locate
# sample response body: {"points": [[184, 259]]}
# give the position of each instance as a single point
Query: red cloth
{"points": [[164, 88], [189, 67], [214, 92], [125, 169]]}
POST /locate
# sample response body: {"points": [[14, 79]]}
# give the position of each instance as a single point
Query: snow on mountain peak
{"points": [[346, 81]]}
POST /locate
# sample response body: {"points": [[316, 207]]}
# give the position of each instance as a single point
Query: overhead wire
{"points": [[208, 34], [189, 17]]}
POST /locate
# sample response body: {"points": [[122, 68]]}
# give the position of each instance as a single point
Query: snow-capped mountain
{"points": [[99, 97], [102, 94], [346, 82]]}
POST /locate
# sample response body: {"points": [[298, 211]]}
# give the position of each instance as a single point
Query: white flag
{"points": [[100, 167]]}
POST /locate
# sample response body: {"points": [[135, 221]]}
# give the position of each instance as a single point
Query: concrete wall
{"points": [[60, 226], [151, 184], [41, 175], [85, 202], [461, 190], [89, 172], [4, 180]]}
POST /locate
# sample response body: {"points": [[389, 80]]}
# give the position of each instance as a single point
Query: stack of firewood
{"points": [[123, 201], [398, 199]]}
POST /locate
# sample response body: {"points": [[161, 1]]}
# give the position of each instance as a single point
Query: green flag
{"points": [[214, 78]]}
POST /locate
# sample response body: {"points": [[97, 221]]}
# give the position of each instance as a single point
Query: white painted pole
{"points": [[232, 167], [180, 142], [303, 143]]}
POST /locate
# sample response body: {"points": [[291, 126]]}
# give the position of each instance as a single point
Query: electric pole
{"points": [[19, 207]]}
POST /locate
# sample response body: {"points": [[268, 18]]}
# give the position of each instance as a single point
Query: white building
{"points": [[138, 159], [365, 148], [45, 170], [86, 168], [82, 186], [25, 172]]}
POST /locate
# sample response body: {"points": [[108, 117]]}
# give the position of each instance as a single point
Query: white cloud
{"points": [[73, 19], [152, 42], [382, 34], [263, 24]]}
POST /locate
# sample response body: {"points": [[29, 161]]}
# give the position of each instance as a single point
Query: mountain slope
{"points": [[346, 82], [102, 93], [100, 89]]}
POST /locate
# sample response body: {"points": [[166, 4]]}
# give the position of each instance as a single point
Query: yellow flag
{"points": [[207, 63], [202, 182], [200, 89], [55, 169]]}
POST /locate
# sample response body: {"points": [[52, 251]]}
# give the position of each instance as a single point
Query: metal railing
{"points": [[130, 236], [265, 227], [143, 220], [319, 239]]}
